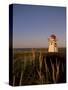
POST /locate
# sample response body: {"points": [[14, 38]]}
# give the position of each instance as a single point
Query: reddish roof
{"points": [[53, 36]]}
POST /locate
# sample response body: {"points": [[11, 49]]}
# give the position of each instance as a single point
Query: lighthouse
{"points": [[52, 44]]}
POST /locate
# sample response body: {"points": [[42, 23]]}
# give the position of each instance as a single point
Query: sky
{"points": [[32, 25]]}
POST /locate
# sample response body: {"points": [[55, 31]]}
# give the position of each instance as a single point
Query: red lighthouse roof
{"points": [[53, 36]]}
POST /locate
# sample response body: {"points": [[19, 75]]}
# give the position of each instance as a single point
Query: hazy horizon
{"points": [[32, 25], [36, 48]]}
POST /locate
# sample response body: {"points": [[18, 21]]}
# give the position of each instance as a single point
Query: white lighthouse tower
{"points": [[52, 44]]}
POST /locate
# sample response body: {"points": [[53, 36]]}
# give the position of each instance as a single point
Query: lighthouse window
{"points": [[55, 44], [51, 43]]}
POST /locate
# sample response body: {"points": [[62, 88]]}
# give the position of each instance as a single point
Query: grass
{"points": [[38, 67]]}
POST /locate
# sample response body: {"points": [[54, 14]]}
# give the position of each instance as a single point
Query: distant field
{"points": [[37, 66], [28, 51]]}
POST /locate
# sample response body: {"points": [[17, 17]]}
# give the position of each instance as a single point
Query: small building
{"points": [[52, 44]]}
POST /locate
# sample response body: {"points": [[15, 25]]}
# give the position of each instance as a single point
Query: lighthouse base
{"points": [[52, 49]]}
